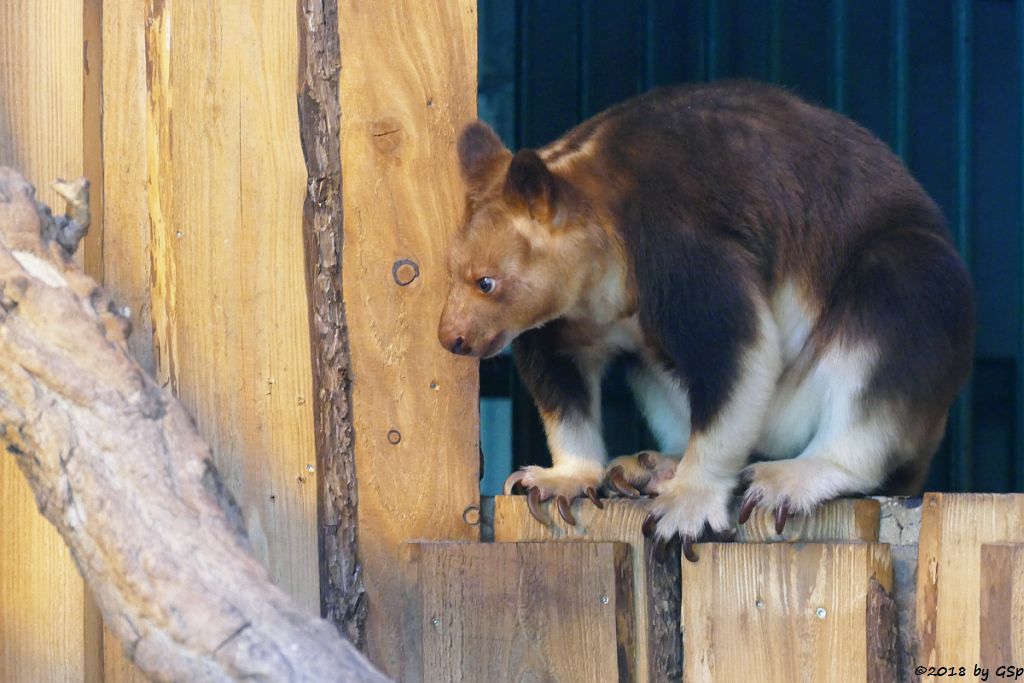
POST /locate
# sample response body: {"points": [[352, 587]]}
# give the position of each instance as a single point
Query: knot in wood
{"points": [[404, 271]]}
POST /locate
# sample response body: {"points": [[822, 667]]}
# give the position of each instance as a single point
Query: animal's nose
{"points": [[460, 347]]}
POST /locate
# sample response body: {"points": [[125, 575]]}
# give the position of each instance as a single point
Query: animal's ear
{"points": [[531, 183], [481, 156]]}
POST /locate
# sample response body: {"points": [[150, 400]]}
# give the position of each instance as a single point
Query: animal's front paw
{"points": [[564, 484], [639, 474], [689, 512], [787, 487]]}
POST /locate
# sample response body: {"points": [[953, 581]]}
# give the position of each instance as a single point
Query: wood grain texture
{"points": [[658, 643], [525, 611], [116, 465], [655, 584], [127, 267], [953, 529], [226, 182], [210, 261], [782, 612], [1002, 604], [408, 85], [42, 129]]}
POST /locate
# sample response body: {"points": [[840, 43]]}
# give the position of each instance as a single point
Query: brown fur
{"points": [[664, 225]]}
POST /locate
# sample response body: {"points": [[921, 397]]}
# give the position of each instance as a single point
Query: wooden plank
{"points": [[525, 611], [949, 569], [211, 260], [785, 612], [47, 628], [1002, 604], [230, 300], [42, 597], [127, 266], [414, 404], [656, 584]]}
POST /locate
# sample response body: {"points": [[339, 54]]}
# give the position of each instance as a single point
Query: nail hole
{"points": [[394, 437]]}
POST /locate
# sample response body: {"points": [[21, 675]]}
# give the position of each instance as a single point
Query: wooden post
{"points": [[522, 611], [782, 612], [205, 185], [949, 570], [45, 133], [408, 85], [656, 585], [1002, 605]]}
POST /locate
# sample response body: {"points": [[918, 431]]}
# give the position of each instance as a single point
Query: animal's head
{"points": [[514, 264]]}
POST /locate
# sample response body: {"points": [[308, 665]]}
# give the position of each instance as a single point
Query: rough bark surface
{"points": [[118, 467], [342, 595]]}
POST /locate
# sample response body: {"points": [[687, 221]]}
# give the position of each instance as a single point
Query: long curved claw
{"points": [[533, 502], [649, 525], [688, 549], [781, 515], [617, 480], [592, 495], [647, 461], [514, 480], [564, 510], [749, 503]]}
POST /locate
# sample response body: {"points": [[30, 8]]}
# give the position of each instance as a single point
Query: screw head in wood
{"points": [[435, 622], [820, 612], [404, 271], [394, 437], [604, 600], [471, 515], [759, 604]]}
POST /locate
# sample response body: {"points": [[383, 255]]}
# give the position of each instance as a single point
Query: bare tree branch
{"points": [[118, 467]]}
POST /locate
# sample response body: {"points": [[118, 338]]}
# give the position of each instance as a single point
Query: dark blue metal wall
{"points": [[940, 80]]}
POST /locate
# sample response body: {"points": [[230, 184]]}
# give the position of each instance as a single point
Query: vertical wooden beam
{"points": [[781, 612], [1002, 604], [205, 183], [949, 569], [408, 85], [523, 611], [43, 133]]}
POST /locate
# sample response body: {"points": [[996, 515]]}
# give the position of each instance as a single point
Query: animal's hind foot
{"points": [[796, 486], [639, 474]]}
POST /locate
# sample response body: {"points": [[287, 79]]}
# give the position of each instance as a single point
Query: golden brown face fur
{"points": [[523, 239]]}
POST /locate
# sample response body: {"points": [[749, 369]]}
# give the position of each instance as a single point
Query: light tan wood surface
{"points": [[42, 126], [524, 611], [204, 191], [1002, 605], [949, 570], [841, 520], [408, 85], [788, 612]]}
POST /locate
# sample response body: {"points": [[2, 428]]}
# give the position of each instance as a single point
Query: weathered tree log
{"points": [[118, 467]]}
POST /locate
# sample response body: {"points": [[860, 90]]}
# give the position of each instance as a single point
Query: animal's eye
{"points": [[486, 284]]}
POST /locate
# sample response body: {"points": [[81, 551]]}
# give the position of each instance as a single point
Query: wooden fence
{"points": [[277, 228]]}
